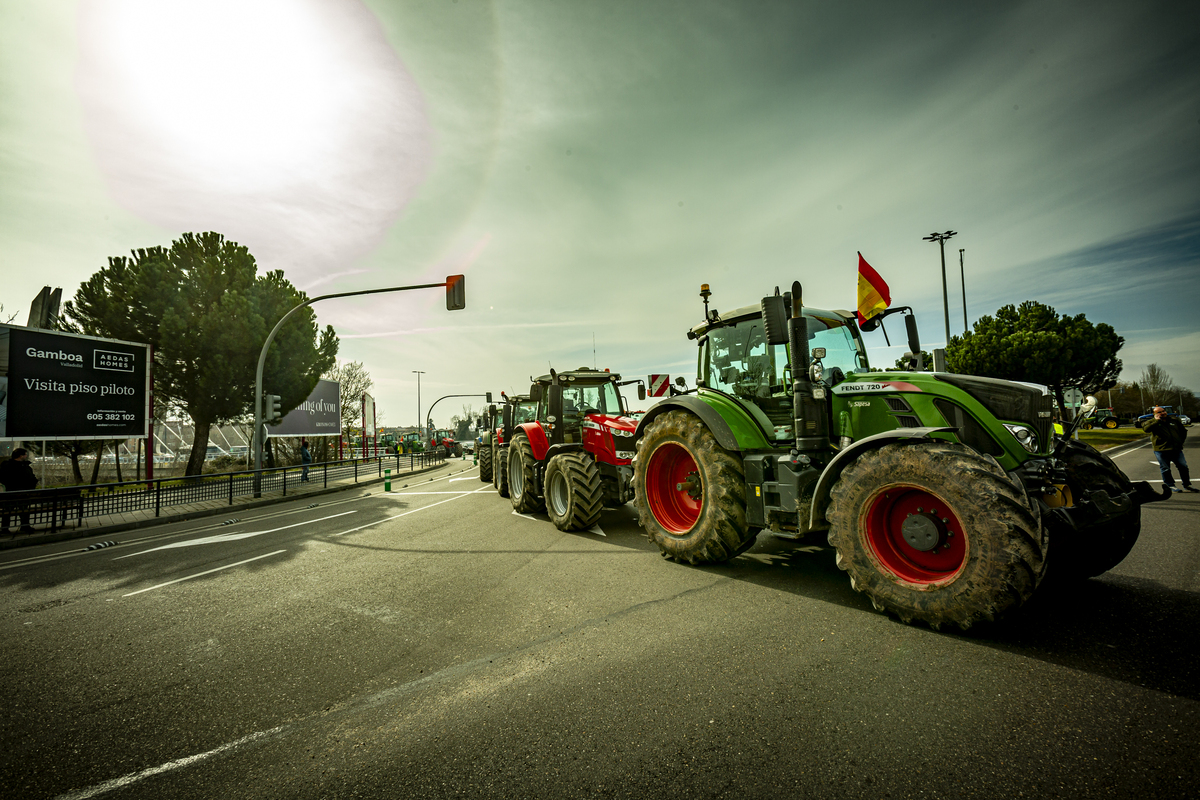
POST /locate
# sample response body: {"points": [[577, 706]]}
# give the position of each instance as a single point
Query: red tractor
{"points": [[443, 441], [493, 446], [576, 457]]}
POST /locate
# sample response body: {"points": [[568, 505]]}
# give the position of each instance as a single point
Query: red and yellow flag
{"points": [[873, 293]]}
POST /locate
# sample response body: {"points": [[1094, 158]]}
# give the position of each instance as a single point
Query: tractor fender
{"points": [[556, 449], [833, 470], [537, 439], [707, 414]]}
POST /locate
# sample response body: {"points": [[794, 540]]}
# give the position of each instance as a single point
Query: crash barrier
{"points": [[52, 509]]}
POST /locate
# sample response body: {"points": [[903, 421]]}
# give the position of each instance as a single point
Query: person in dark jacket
{"points": [[16, 475], [305, 459], [1166, 437]]}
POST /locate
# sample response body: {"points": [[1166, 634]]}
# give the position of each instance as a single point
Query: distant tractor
{"points": [[943, 495], [443, 442], [1102, 418], [411, 443], [575, 457]]}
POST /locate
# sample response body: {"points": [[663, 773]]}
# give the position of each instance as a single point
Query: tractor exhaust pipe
{"points": [[811, 425]]}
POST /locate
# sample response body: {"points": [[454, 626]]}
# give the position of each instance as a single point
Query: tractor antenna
{"points": [[593, 349]]}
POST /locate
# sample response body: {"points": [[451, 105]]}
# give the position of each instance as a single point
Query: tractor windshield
{"points": [[843, 349], [597, 398]]}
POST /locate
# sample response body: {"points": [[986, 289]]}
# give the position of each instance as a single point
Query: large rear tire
{"points": [[934, 532], [522, 477], [1087, 552], [574, 493], [690, 492], [484, 450]]}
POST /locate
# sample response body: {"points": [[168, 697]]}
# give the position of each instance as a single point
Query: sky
{"points": [[587, 165]]}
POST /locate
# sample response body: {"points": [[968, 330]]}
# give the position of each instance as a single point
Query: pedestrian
{"points": [[1167, 435], [16, 475], [305, 460]]}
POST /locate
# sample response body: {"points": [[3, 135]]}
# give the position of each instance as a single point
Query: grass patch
{"points": [[1102, 439]]}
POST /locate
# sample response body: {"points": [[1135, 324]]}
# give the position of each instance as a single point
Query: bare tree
{"points": [[1157, 384], [353, 380]]}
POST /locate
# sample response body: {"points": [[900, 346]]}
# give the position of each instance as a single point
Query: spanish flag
{"points": [[873, 294]]}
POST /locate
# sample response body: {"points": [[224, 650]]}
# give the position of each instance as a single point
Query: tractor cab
{"points": [[736, 359], [411, 443]]}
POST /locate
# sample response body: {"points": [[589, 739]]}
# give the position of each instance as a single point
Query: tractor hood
{"points": [[617, 426]]}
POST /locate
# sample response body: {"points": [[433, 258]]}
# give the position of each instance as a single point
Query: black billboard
{"points": [[64, 386], [319, 415]]}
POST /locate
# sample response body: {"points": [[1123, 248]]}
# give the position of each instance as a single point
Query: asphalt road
{"points": [[430, 643]]}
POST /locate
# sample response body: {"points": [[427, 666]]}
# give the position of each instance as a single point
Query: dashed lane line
{"points": [[201, 574]]}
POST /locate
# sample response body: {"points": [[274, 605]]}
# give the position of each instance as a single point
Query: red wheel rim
{"points": [[671, 466], [888, 513]]}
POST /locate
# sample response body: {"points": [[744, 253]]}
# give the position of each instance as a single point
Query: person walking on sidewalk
{"points": [[17, 475], [305, 460], [1167, 435]]}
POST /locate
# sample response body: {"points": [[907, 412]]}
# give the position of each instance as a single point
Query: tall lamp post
{"points": [[962, 276], [941, 238], [420, 427]]}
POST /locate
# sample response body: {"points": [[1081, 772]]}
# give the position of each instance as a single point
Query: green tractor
{"points": [[411, 443], [942, 494]]}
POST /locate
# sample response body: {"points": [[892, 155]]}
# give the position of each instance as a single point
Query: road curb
{"points": [[85, 533]]}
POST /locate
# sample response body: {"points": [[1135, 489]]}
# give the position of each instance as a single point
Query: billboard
{"points": [[65, 386], [319, 415]]}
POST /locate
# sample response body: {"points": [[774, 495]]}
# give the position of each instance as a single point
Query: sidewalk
{"points": [[115, 523]]}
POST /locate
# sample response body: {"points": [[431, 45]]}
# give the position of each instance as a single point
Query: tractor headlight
{"points": [[816, 372], [1025, 436]]}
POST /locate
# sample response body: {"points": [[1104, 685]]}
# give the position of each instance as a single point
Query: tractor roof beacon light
{"points": [[705, 293]]}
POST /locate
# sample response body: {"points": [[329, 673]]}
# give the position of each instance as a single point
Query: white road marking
{"points": [[1133, 450], [526, 516], [596, 529], [231, 537], [134, 777], [206, 572], [452, 480], [413, 511]]}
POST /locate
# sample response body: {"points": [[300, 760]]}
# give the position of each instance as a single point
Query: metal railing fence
{"points": [[57, 506]]}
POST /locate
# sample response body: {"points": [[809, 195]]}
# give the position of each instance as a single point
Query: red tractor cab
{"points": [[576, 457]]}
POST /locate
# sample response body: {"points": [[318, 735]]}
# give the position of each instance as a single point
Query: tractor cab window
{"points": [[525, 412], [580, 400], [741, 363], [843, 349]]}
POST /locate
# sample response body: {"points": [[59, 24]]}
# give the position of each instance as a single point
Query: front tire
{"points": [[485, 461], [574, 494], [690, 492], [522, 477], [934, 532], [1111, 423], [500, 470], [1085, 553]]}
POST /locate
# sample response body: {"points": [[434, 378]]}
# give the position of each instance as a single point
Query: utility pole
{"points": [[420, 425], [941, 238], [963, 277]]}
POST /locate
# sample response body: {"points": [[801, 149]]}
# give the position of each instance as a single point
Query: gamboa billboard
{"points": [[57, 385]]}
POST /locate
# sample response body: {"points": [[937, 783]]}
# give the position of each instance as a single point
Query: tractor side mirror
{"points": [[914, 341], [535, 392], [775, 316], [641, 391]]}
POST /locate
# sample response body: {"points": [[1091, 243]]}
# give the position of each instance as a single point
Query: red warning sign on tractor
{"points": [[658, 385]]}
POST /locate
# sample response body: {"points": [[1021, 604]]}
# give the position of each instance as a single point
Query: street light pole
{"points": [[941, 238], [962, 275], [420, 427]]}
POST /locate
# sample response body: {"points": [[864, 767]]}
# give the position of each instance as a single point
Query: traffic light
{"points": [[489, 397], [456, 292], [272, 408]]}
